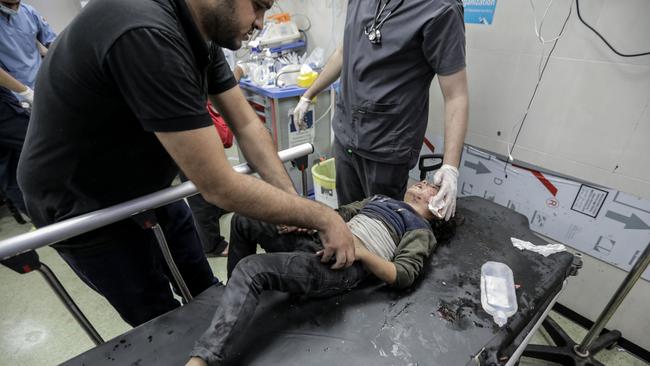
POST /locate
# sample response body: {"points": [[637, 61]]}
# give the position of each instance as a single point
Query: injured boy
{"points": [[392, 240]]}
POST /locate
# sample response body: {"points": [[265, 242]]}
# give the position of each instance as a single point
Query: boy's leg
{"points": [[295, 273], [246, 234]]}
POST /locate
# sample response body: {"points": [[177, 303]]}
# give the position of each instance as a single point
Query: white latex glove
{"points": [[27, 96], [443, 204], [300, 111]]}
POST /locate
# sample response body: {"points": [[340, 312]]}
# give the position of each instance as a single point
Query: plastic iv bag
{"points": [[498, 291]]}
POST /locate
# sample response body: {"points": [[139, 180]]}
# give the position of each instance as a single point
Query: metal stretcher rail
{"points": [[82, 224]]}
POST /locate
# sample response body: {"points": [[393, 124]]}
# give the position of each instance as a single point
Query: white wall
{"points": [[591, 113], [57, 12], [327, 18], [591, 116]]}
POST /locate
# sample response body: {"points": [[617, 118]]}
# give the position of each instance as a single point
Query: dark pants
{"points": [[13, 128], [206, 217], [358, 178], [129, 270], [290, 265]]}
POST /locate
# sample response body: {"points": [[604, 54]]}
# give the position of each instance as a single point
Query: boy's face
{"points": [[419, 195]]}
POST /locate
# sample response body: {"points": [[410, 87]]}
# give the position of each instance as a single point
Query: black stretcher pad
{"points": [[439, 321]]}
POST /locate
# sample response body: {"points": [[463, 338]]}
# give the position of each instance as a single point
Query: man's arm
{"points": [[199, 153], [347, 212], [330, 73], [455, 95], [45, 33], [253, 138], [42, 50], [9, 82], [456, 100], [25, 93]]}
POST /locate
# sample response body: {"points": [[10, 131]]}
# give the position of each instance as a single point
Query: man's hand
{"points": [[196, 361], [443, 204], [27, 96], [300, 111], [337, 241]]}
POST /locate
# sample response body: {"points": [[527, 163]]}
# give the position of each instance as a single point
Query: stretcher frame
{"points": [[81, 224]]}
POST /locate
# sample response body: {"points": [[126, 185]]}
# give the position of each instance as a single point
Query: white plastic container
{"points": [[498, 295], [324, 175]]}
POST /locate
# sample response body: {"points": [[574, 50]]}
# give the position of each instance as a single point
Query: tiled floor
{"points": [[36, 329]]}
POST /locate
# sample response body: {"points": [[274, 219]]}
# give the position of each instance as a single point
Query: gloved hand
{"points": [[443, 204], [27, 96], [300, 111]]}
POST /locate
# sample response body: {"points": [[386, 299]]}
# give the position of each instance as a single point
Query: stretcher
{"points": [[438, 321]]}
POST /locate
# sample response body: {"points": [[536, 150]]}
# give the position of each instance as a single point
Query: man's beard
{"points": [[220, 24]]}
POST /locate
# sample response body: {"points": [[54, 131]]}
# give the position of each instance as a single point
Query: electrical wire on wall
{"points": [[538, 33], [603, 38], [539, 76]]}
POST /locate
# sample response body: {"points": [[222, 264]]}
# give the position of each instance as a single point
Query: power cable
{"points": [[603, 38]]}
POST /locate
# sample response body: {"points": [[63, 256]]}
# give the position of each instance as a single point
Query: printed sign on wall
{"points": [[479, 11], [607, 224]]}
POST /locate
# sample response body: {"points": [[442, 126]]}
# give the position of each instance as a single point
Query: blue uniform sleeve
{"points": [[45, 34]]}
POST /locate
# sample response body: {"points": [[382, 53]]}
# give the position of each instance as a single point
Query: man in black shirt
{"points": [[120, 105]]}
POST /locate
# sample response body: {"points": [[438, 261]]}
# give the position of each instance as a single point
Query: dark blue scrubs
{"points": [[382, 110]]}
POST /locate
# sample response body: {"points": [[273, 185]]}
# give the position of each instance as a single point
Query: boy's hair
{"points": [[444, 230]]}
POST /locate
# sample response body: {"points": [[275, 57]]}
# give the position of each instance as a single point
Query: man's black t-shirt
{"points": [[121, 71]]}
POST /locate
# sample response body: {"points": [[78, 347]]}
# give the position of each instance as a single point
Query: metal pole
{"points": [[164, 248], [82, 224], [303, 174], [72, 307], [637, 270]]}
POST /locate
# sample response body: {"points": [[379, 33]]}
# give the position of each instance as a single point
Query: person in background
{"points": [[24, 38], [391, 52]]}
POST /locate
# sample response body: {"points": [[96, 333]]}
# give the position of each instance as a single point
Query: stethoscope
{"points": [[373, 29]]}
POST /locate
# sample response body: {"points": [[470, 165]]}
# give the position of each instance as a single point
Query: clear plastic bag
{"points": [[498, 295]]}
